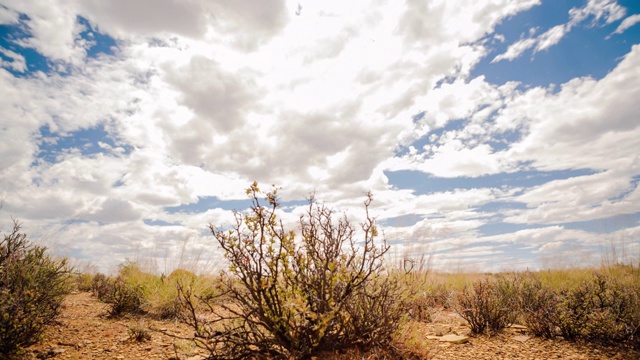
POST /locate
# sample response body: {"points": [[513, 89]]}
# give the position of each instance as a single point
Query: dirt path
{"points": [[84, 332]]}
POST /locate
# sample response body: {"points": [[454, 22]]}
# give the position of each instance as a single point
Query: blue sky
{"points": [[493, 134]]}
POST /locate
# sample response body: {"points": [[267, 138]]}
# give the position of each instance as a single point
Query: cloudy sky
{"points": [[494, 134]]}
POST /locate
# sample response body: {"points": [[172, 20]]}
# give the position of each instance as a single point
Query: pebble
{"points": [[455, 339]]}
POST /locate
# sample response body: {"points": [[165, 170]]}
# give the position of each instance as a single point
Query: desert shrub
{"points": [[539, 306], [32, 288], [139, 332], [83, 281], [290, 298], [165, 300], [488, 304], [126, 298], [102, 287], [601, 309], [425, 300]]}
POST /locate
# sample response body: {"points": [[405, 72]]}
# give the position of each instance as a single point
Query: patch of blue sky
{"points": [[606, 225], [9, 36], [205, 203], [600, 226], [495, 206], [501, 228], [402, 220], [12, 34], [423, 183], [498, 141], [587, 49], [292, 204], [419, 116], [85, 141], [151, 222], [75, 221], [101, 43], [502, 141], [452, 125]]}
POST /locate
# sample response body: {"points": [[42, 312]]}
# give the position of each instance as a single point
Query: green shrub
{"points": [[126, 298], [32, 288], [488, 304], [165, 299], [602, 309], [83, 281], [288, 298]]}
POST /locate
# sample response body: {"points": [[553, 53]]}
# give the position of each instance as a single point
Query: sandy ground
{"points": [[83, 331]]}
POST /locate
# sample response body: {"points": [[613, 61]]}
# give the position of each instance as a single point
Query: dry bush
{"points": [[139, 332], [288, 298], [488, 305], [539, 306], [127, 293], [32, 288], [102, 287]]}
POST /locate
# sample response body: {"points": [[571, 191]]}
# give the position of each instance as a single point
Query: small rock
{"points": [[438, 330], [521, 338], [454, 339], [431, 337]]}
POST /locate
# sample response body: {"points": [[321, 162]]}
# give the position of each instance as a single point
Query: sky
{"points": [[494, 134]]}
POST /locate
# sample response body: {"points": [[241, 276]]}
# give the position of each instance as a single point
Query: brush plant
{"points": [[289, 297], [32, 288]]}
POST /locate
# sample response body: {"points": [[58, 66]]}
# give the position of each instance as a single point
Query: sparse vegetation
{"points": [[32, 288], [601, 309], [288, 298], [320, 292], [139, 332], [488, 305], [538, 305]]}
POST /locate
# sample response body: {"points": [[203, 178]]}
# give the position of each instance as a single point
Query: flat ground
{"points": [[84, 332]]}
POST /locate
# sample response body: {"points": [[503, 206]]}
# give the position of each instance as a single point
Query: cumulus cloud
{"points": [[201, 98], [8, 16], [576, 127], [54, 30], [245, 25]]}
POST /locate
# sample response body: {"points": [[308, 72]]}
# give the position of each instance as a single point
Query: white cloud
{"points": [[53, 28], [627, 23], [201, 98], [551, 37], [8, 16], [607, 10], [515, 50], [245, 25], [587, 124]]}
